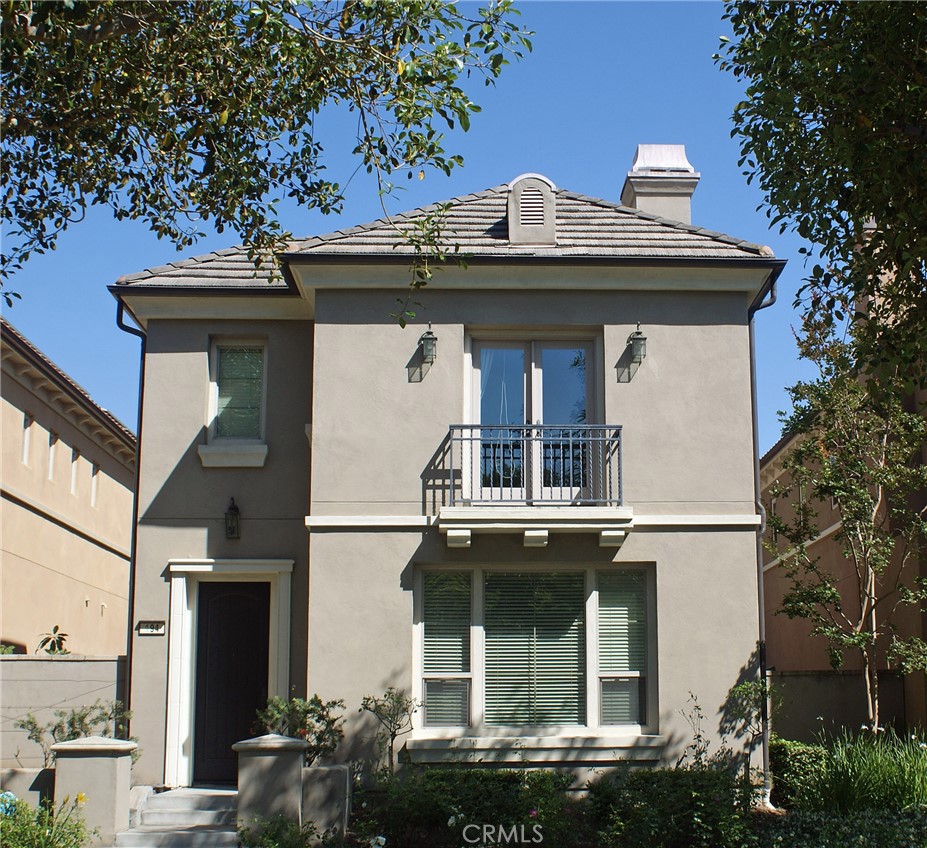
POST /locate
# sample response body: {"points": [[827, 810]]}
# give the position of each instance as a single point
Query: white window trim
{"points": [[477, 729], [75, 470], [186, 575], [52, 450], [26, 455], [94, 483], [226, 451]]}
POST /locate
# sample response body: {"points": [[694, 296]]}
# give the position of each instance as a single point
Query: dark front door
{"points": [[231, 673]]}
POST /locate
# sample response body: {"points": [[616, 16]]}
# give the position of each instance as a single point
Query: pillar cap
{"points": [[94, 746], [271, 742]]}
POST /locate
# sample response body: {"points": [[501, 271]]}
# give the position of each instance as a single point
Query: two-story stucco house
{"points": [[535, 510]]}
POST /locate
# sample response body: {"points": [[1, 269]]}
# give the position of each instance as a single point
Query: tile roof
{"points": [[17, 341], [586, 227]]}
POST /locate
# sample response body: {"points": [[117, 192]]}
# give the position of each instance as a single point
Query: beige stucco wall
{"points": [[65, 558], [182, 504], [40, 685], [686, 450]]}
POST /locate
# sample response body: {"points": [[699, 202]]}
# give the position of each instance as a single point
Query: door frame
{"points": [[186, 575]]}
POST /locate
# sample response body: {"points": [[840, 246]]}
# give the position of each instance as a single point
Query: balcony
{"points": [[505, 465], [534, 479]]}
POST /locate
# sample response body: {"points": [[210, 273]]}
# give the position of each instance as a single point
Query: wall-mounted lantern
{"points": [[637, 341], [634, 352], [429, 345], [232, 521]]}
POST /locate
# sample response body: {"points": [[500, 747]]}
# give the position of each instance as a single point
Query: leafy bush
{"points": [[21, 826], [278, 832], [870, 828], [672, 808], [794, 765], [109, 718], [313, 721], [871, 771], [432, 807]]}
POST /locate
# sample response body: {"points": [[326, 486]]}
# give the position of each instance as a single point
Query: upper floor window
{"points": [[238, 377], [239, 371]]}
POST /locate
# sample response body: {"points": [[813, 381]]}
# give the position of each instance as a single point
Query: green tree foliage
{"points": [[858, 444], [186, 112], [833, 131]]}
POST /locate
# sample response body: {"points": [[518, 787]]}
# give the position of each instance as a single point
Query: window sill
{"points": [[232, 455], [592, 750]]}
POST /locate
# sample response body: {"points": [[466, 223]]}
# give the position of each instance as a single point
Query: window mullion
{"points": [[477, 652], [592, 650]]}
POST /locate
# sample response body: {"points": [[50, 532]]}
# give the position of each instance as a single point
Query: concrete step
{"points": [[199, 836], [202, 817], [193, 799], [179, 817]]}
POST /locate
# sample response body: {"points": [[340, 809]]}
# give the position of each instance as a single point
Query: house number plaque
{"points": [[151, 628]]}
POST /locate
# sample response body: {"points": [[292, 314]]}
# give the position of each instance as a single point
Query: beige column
{"points": [[270, 778], [99, 769]]}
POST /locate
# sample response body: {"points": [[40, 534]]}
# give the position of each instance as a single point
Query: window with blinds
{"points": [[240, 379], [446, 617], [535, 650], [622, 630]]}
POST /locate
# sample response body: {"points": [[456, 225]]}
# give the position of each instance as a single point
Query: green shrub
{"points": [[313, 721], [278, 832], [109, 718], [871, 771], [447, 807], [673, 808], [794, 766], [22, 826], [867, 829]]}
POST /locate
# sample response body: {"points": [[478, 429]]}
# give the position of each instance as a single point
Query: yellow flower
{"points": [[81, 799]]}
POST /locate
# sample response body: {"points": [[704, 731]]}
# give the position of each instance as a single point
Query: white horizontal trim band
{"points": [[231, 566], [399, 522]]}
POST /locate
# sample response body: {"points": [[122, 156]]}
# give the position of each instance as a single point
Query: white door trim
{"points": [[186, 575]]}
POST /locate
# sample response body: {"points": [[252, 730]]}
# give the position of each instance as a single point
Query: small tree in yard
{"points": [[394, 712], [858, 445]]}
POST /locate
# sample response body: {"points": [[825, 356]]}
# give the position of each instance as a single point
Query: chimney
{"points": [[661, 181]]}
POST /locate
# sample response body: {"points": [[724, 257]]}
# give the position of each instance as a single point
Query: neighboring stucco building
{"points": [[538, 523], [810, 694], [68, 477]]}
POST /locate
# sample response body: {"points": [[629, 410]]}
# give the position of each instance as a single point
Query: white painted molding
{"points": [[536, 538], [611, 538], [662, 522], [397, 522], [218, 455], [231, 566]]}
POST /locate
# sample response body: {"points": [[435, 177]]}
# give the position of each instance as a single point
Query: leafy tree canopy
{"points": [[189, 112], [833, 131], [858, 447]]}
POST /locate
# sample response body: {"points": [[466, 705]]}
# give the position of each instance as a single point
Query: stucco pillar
{"points": [[270, 778], [99, 768]]}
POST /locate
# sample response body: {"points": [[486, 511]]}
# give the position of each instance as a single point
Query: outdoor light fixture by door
{"points": [[232, 522], [638, 344], [429, 345]]}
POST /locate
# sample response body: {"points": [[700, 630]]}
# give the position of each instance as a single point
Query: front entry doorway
{"points": [[232, 643]]}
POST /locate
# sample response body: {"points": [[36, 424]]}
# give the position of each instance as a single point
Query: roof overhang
{"points": [[307, 273]]}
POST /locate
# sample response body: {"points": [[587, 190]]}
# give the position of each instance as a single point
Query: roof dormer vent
{"points": [[532, 210]]}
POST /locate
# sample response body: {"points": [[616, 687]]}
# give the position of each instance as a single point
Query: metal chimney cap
{"points": [[661, 158]]}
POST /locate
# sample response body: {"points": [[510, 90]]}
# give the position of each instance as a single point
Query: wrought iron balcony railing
{"points": [[535, 464]]}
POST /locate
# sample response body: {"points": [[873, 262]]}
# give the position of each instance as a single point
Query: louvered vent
{"points": [[531, 211]]}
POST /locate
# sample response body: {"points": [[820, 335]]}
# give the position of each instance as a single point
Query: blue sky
{"points": [[603, 78]]}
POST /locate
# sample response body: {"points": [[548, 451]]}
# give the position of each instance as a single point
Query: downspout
{"points": [[761, 511], [133, 545]]}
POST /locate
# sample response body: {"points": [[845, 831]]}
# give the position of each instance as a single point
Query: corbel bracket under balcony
{"points": [[536, 523]]}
